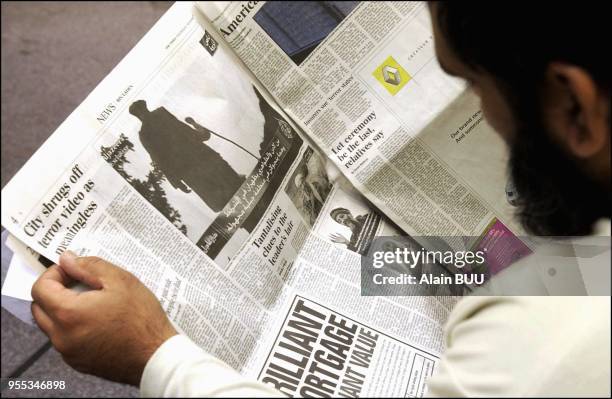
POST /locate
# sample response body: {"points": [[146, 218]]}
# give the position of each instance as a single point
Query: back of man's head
{"points": [[517, 42], [550, 75], [139, 109]]}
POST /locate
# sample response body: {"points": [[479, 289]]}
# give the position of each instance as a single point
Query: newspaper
{"points": [[361, 79], [241, 174]]}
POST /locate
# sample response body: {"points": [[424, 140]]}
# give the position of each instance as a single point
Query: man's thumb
{"points": [[83, 269]]}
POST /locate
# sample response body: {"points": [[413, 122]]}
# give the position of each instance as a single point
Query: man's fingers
{"points": [[42, 319], [50, 290], [87, 269], [55, 273]]}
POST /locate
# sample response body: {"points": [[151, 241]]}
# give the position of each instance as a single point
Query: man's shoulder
{"points": [[551, 310], [535, 344], [531, 324], [516, 346]]}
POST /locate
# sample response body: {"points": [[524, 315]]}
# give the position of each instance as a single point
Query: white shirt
{"points": [[180, 368], [495, 346]]}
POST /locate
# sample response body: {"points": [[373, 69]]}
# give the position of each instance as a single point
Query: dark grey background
{"points": [[53, 55]]}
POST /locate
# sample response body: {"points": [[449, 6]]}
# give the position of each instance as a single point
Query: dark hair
{"points": [[339, 211], [137, 107], [514, 43]]}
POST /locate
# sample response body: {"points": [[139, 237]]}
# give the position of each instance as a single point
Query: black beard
{"points": [[555, 198]]}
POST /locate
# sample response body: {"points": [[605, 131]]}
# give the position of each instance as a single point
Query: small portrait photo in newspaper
{"points": [[207, 152]]}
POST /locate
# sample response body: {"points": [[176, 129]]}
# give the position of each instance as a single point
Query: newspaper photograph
{"points": [[349, 223], [309, 186], [308, 24], [213, 183]]}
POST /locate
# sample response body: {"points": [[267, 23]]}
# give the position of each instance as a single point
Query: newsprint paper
{"points": [[240, 160]]}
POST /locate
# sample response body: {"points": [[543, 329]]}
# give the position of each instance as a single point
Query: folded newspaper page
{"points": [[361, 79], [182, 168]]}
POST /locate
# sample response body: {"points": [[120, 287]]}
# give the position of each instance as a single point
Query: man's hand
{"points": [[184, 187], [204, 133], [110, 331], [339, 239]]}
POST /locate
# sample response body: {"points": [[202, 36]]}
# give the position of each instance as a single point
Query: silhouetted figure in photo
{"points": [[179, 151]]}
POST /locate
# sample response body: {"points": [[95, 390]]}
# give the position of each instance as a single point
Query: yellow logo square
{"points": [[391, 75]]}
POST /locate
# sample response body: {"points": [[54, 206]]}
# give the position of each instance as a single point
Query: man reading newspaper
{"points": [[546, 91]]}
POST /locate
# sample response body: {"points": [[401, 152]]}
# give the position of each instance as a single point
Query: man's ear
{"points": [[577, 110]]}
